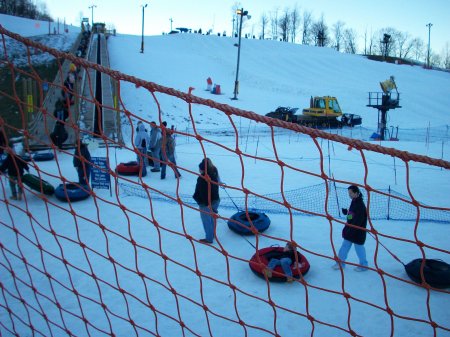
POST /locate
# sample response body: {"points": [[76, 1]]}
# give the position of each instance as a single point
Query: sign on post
{"points": [[100, 173]]}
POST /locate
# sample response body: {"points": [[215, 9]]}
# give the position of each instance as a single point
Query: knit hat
{"points": [[201, 166]]}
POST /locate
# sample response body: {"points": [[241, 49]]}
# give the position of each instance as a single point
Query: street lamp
{"points": [[428, 56], [142, 41], [92, 14], [241, 13]]}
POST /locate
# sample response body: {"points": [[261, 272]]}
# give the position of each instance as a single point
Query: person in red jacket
{"points": [[354, 234]]}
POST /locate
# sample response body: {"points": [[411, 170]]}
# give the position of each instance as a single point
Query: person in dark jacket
{"points": [[15, 167], [59, 134], [207, 197], [68, 90], [355, 234], [285, 260], [82, 162]]}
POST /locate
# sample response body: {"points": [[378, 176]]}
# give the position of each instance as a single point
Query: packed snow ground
{"points": [[272, 74]]}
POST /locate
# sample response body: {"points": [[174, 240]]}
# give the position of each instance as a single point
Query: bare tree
{"points": [[446, 56], [435, 59], [264, 23], [319, 30], [418, 49], [274, 23], [349, 38], [284, 24], [295, 23], [338, 28], [307, 23], [372, 44], [402, 39]]}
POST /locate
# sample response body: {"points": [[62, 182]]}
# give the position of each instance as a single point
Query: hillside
{"points": [[275, 74]]}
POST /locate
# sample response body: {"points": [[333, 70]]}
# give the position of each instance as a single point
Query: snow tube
{"points": [[128, 169], [72, 192], [38, 184], [240, 222], [43, 156], [435, 272], [258, 263]]}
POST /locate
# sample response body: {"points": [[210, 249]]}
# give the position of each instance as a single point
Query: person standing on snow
{"points": [[82, 162], [155, 146], [207, 197], [354, 234], [168, 152], [142, 141]]}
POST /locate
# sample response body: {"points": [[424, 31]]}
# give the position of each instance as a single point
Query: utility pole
{"points": [[142, 41], [429, 33], [241, 13], [92, 14]]}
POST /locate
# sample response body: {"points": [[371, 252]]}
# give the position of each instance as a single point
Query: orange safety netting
{"points": [[127, 260]]}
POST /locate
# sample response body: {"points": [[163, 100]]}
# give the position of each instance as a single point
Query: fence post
{"points": [[389, 202]]}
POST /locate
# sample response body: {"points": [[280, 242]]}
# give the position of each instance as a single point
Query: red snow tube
{"points": [[260, 260], [128, 169]]}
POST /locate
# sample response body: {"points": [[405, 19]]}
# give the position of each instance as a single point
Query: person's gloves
{"points": [[344, 211]]}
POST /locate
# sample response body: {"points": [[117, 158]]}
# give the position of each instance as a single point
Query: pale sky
{"points": [[410, 16]]}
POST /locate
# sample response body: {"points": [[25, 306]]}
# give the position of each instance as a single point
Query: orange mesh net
{"points": [[127, 260]]}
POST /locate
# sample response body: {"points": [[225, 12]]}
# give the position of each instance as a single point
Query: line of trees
{"points": [[25, 9], [290, 25]]}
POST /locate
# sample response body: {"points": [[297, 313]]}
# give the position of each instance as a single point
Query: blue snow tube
{"points": [[72, 192], [43, 156], [242, 223], [435, 272]]}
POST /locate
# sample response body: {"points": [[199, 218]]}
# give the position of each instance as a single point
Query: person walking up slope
{"points": [[354, 234], [207, 197], [155, 146]]}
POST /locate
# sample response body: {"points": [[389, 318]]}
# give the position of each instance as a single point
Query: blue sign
{"points": [[100, 174]]}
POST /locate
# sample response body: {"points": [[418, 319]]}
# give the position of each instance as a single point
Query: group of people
{"points": [[160, 146], [207, 197]]}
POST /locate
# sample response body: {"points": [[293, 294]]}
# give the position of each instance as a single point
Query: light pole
{"points": [[428, 55], [241, 13], [142, 41], [92, 14]]}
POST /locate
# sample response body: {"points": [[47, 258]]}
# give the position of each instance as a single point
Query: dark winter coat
{"points": [[14, 165], [357, 216], [201, 195], [61, 113], [83, 151]]}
